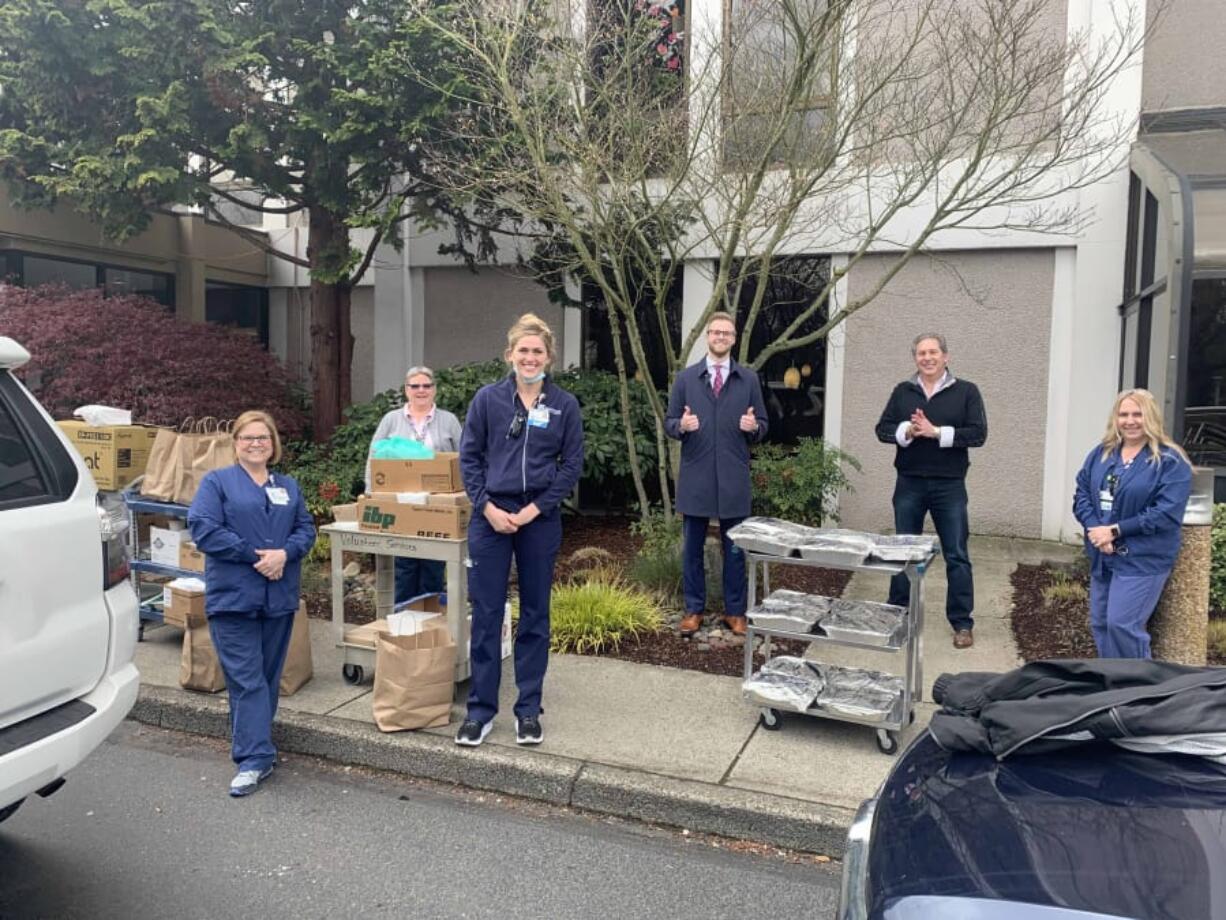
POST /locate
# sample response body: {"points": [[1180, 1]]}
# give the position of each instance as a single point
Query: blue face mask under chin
{"points": [[537, 379]]}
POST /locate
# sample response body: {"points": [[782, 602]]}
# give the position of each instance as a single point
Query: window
{"points": [[780, 57], [19, 475], [37, 270], [146, 284], [30, 270], [240, 306]]}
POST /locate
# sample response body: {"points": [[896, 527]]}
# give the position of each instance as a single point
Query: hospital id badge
{"points": [[277, 495], [538, 417], [1105, 500]]}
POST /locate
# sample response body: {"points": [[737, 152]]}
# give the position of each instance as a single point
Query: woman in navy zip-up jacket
{"points": [[1131, 494], [254, 529], [521, 454]]}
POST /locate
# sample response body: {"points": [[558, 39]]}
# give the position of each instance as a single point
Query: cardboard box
{"points": [[182, 607], [441, 474], [164, 545], [115, 454], [387, 513], [190, 558], [344, 513], [365, 635]]}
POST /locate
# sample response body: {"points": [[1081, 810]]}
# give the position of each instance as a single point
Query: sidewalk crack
{"points": [[723, 780]]}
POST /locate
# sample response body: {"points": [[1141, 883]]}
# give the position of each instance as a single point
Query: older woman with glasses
{"points": [[419, 419], [254, 530]]}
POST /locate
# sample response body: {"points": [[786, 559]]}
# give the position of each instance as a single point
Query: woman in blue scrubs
{"points": [[521, 454], [254, 529], [1131, 494]]}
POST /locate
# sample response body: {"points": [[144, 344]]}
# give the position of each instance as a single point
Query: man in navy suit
{"points": [[716, 411]]}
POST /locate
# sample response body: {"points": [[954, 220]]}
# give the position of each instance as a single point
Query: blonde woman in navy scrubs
{"points": [[1131, 494], [254, 529]]}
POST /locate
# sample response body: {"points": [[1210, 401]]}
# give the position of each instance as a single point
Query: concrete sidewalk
{"points": [[654, 744]]}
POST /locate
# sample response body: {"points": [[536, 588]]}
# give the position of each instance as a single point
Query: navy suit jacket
{"points": [[713, 481]]}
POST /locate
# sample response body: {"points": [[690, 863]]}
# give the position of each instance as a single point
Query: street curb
{"points": [[532, 774]]}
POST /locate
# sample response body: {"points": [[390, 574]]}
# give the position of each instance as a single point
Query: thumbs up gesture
{"points": [[749, 424], [689, 421]]}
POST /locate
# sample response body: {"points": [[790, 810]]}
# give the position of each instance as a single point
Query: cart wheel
{"points": [[353, 674], [140, 633], [911, 718], [769, 719], [887, 742]]}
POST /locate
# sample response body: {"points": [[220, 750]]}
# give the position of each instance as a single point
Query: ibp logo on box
{"points": [[376, 517]]}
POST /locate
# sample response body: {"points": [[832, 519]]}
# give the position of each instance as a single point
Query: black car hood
{"points": [[1095, 829]]}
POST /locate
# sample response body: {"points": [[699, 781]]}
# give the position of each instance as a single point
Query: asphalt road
{"points": [[144, 830]]}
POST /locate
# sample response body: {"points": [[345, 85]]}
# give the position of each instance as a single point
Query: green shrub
{"points": [[657, 564], [1217, 575], [801, 483], [598, 612], [1065, 591], [1216, 639]]}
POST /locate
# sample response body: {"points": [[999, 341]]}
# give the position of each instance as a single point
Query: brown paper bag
{"points": [[208, 446], [414, 679], [162, 471], [298, 666], [199, 668]]}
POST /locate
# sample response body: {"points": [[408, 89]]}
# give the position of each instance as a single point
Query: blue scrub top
{"points": [[230, 518]]}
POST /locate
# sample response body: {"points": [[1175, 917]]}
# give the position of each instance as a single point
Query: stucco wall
{"points": [[362, 324], [1182, 58], [467, 315], [994, 309]]}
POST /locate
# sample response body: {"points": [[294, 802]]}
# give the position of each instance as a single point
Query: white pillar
{"points": [[697, 286], [836, 342], [572, 327]]}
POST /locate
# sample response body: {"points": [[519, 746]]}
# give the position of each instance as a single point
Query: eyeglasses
{"points": [[517, 426], [419, 386], [721, 333], [255, 438]]}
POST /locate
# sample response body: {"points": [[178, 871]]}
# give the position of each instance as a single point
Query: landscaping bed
{"points": [[713, 649], [1051, 616]]}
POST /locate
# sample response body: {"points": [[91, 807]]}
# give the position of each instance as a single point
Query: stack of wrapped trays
{"points": [[869, 696], [865, 621], [770, 535], [785, 682], [904, 547], [790, 610]]}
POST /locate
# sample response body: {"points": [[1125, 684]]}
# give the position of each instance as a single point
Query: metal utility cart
{"points": [[150, 595], [907, 640], [359, 660]]}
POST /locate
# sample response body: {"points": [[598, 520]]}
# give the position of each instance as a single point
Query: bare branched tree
{"points": [[637, 136]]}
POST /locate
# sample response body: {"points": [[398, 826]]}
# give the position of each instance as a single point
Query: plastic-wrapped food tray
{"points": [[788, 691], [837, 547], [769, 535], [790, 610], [905, 547], [865, 621], [868, 696]]}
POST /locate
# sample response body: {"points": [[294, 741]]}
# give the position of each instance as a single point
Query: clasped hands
{"points": [[1102, 538], [689, 421], [920, 427], [271, 563], [506, 522]]}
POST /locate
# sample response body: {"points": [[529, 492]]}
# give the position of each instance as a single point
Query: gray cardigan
{"points": [[443, 430]]}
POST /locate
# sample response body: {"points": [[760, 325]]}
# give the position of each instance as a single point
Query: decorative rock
{"points": [[704, 647], [352, 570], [1179, 625]]}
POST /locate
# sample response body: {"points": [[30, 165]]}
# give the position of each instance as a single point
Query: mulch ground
{"points": [[1056, 628], [720, 654]]}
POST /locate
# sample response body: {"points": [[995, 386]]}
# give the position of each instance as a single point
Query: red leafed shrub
{"points": [[129, 352]]}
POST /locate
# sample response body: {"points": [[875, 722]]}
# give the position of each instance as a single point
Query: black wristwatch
{"points": [[1115, 531]]}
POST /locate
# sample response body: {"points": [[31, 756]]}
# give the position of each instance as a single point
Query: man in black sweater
{"points": [[932, 419]]}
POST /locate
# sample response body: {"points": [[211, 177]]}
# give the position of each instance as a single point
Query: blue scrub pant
{"points": [[945, 500], [1120, 606], [415, 577], [251, 647], [694, 576], [535, 548]]}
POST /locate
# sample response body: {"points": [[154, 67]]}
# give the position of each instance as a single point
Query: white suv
{"points": [[68, 614]]}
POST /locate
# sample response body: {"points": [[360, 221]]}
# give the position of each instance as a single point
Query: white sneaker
{"points": [[245, 781]]}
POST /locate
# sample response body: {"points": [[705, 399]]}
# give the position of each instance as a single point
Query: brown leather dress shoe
{"points": [[964, 638], [691, 623], [735, 624]]}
